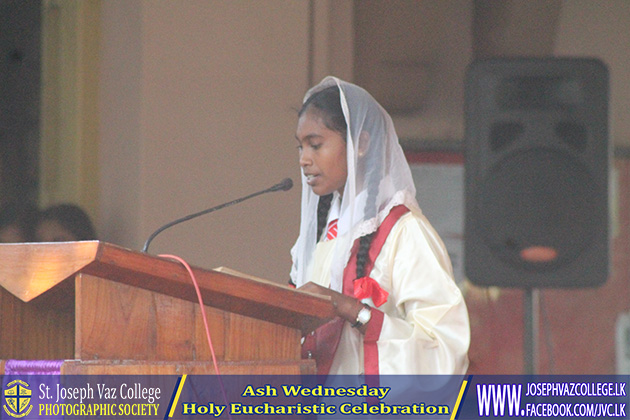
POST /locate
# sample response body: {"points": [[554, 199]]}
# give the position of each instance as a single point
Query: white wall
{"points": [[602, 30], [121, 121], [198, 108]]}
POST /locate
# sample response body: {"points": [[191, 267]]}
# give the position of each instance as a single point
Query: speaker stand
{"points": [[531, 305]]}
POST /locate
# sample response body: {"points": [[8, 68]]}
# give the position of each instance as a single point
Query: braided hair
{"points": [[328, 103]]}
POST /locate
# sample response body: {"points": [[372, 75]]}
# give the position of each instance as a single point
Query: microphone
{"points": [[284, 185]]}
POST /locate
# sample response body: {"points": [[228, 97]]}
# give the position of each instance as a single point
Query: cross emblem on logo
{"points": [[17, 396]]}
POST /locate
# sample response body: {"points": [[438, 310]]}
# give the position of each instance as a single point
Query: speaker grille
{"points": [[538, 198]]}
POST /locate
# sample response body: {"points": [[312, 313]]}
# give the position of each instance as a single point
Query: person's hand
{"points": [[347, 307]]}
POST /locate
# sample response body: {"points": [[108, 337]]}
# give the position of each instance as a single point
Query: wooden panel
{"points": [[116, 321], [38, 329], [32, 269], [251, 339], [129, 305], [216, 325], [263, 300]]}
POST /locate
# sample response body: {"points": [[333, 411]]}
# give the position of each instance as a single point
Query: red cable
{"points": [[205, 319]]}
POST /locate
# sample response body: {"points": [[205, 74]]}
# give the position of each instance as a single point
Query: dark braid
{"points": [[323, 207], [362, 254], [365, 242]]}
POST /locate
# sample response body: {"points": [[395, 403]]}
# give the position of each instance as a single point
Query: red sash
{"points": [[322, 343]]}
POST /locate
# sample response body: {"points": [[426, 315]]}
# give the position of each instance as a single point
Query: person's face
{"points": [[322, 154], [52, 231]]}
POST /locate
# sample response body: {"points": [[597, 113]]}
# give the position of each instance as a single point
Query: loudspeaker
{"points": [[536, 164]]}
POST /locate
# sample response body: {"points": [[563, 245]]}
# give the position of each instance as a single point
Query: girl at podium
{"points": [[364, 242]]}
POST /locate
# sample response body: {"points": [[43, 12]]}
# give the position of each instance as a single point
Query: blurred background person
{"points": [[62, 223], [17, 222]]}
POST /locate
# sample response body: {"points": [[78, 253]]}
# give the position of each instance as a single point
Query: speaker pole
{"points": [[530, 331]]}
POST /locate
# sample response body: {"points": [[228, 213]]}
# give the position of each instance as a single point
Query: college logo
{"points": [[17, 396]]}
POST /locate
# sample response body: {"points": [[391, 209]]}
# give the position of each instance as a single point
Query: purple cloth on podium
{"points": [[35, 373], [33, 367]]}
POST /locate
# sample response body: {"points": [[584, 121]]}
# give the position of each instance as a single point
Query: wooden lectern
{"points": [[106, 309]]}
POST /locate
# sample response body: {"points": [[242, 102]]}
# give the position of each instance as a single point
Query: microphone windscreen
{"points": [[284, 185]]}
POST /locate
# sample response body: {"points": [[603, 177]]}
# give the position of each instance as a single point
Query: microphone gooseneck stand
{"points": [[284, 185]]}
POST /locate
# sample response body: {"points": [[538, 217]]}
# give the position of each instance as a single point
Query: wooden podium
{"points": [[105, 309]]}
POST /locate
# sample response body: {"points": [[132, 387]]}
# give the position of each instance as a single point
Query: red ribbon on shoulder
{"points": [[367, 287]]}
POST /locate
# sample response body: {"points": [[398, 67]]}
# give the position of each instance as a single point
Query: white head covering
{"points": [[379, 179]]}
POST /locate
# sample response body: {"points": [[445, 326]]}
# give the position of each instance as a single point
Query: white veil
{"points": [[379, 179]]}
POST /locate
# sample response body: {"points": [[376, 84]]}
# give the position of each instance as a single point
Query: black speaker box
{"points": [[536, 162]]}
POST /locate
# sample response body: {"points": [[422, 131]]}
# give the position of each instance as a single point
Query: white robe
{"points": [[425, 326]]}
